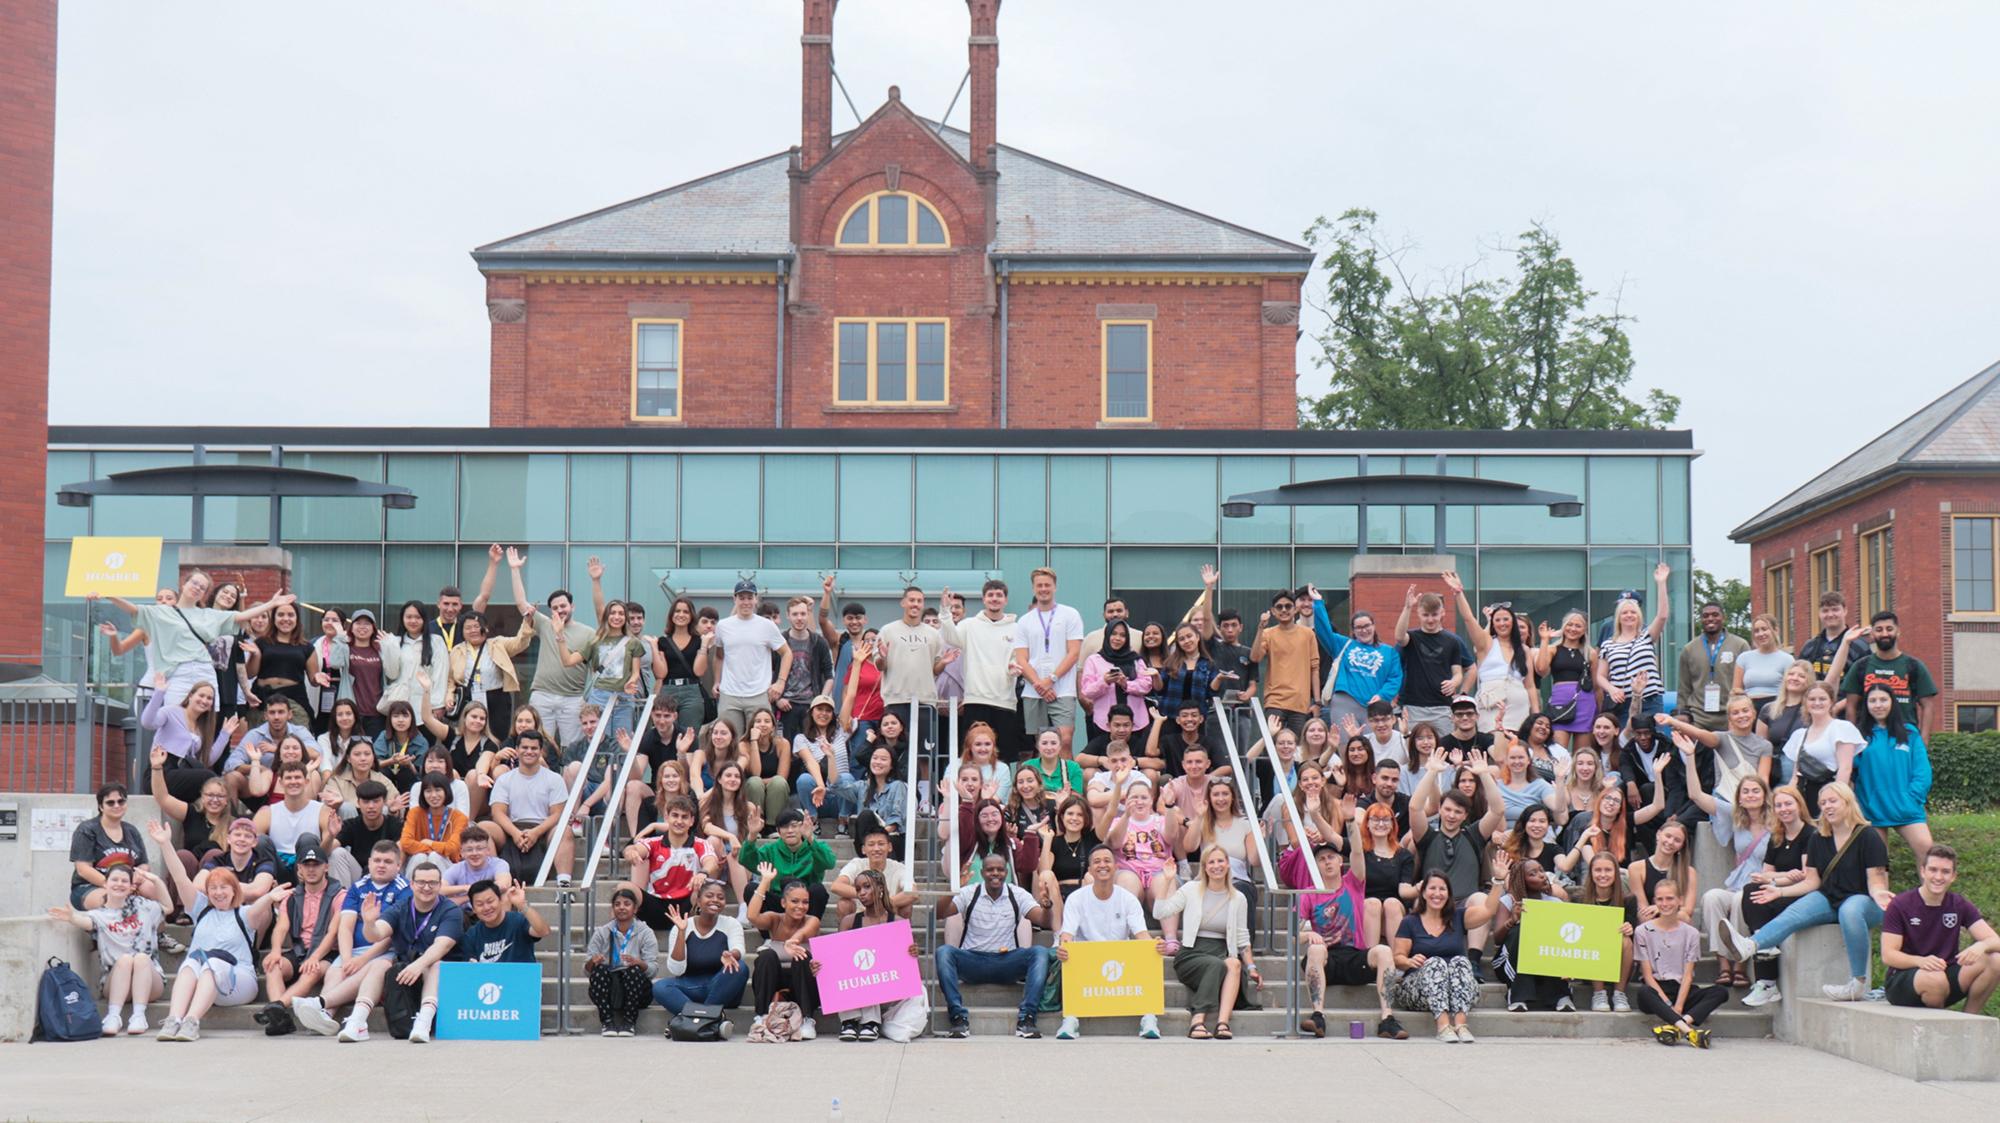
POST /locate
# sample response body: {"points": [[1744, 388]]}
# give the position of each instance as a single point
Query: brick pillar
{"points": [[816, 83], [263, 571], [983, 52], [507, 381], [1377, 583], [27, 186]]}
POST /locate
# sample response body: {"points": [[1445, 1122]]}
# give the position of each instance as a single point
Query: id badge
{"points": [[1711, 697]]}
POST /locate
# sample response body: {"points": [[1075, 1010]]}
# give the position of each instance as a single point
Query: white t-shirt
{"points": [[1045, 636], [530, 799], [893, 874], [1838, 732], [1102, 782], [908, 654], [1086, 917], [990, 920], [746, 654]]}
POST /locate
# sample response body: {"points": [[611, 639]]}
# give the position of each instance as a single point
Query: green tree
{"points": [[1732, 595], [1463, 351]]}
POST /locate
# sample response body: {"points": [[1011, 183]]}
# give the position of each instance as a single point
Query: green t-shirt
{"points": [[611, 662], [550, 674], [1066, 775], [1905, 676], [183, 636], [809, 863]]}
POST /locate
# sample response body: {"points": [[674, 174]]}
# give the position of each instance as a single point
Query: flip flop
{"points": [[1199, 1032], [1222, 1032]]}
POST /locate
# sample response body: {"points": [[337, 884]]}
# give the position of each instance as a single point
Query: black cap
{"points": [[746, 586], [308, 850]]}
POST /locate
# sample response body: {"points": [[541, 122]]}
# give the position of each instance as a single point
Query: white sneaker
{"points": [[138, 1024], [190, 1030], [354, 1031], [1740, 946], [1763, 992], [420, 1030], [170, 1030], [1149, 1026], [808, 1030], [1069, 1029], [112, 1025], [1565, 1005], [1853, 990], [1619, 1003], [1465, 1035], [311, 1014], [576, 828], [1600, 1002], [562, 881]]}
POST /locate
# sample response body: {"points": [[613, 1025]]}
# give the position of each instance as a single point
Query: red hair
{"points": [[223, 875]]}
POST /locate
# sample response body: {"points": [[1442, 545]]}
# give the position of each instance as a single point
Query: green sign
{"points": [[1570, 941]]}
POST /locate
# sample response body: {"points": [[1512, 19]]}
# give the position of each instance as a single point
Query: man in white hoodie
{"points": [[988, 642]]}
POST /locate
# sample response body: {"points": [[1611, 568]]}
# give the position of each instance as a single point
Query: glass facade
{"points": [[1139, 523]]}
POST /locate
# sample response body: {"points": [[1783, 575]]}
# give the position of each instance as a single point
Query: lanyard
{"points": [[439, 823], [1045, 619], [423, 924], [619, 943], [1714, 649]]}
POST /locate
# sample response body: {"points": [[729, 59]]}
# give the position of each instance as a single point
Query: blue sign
{"points": [[490, 1001]]}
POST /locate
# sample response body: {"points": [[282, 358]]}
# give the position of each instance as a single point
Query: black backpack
{"points": [[65, 1009]]}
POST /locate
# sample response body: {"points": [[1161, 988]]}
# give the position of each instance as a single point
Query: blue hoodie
{"points": [[1893, 780], [1362, 670]]}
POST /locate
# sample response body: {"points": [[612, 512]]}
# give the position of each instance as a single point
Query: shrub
{"points": [[1965, 771]]}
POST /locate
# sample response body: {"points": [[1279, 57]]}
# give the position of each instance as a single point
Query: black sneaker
{"points": [[850, 1030], [1392, 1029], [276, 1018], [1314, 1023], [870, 1031], [1026, 1028], [961, 1027]]}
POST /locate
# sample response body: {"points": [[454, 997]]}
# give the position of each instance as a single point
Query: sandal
{"points": [[1199, 1032], [1222, 1032]]}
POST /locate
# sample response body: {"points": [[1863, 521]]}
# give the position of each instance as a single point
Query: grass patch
{"points": [[1976, 837]]}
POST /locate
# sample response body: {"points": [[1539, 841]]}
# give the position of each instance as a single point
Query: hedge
{"points": [[1965, 771]]}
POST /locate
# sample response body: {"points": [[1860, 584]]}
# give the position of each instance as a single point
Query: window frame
{"points": [[1780, 608], [680, 372], [1992, 576], [1104, 372], [1814, 588], [875, 241], [910, 325], [1877, 577], [1958, 715]]}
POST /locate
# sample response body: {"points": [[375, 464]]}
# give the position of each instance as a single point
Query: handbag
{"points": [[1565, 712], [700, 1021]]}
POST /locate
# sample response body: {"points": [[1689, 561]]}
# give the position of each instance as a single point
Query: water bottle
{"points": [[833, 1114]]}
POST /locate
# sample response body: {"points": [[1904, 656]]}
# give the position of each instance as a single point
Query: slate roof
{"points": [[1045, 210], [1959, 431]]}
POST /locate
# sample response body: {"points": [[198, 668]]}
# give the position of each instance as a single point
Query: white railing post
{"points": [[614, 804], [950, 783], [1285, 793], [569, 803], [1246, 799], [910, 814]]}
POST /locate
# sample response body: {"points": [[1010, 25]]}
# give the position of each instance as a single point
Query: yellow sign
{"points": [[114, 567], [1110, 978]]}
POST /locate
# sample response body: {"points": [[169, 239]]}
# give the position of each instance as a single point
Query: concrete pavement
{"points": [[245, 1077]]}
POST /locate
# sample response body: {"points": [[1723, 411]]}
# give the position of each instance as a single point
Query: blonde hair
{"points": [[1855, 818]]}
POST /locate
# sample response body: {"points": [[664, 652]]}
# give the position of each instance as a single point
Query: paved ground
{"points": [[251, 1078]]}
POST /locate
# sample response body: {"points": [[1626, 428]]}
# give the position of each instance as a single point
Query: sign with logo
{"points": [[490, 1001], [1109, 978], [114, 567], [1568, 941], [866, 967]]}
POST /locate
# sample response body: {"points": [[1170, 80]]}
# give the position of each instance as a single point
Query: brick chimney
{"points": [[816, 83], [983, 51]]}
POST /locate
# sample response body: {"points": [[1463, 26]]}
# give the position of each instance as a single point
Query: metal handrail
{"points": [[1244, 795], [910, 792], [569, 803], [1285, 792], [950, 785], [610, 819]]}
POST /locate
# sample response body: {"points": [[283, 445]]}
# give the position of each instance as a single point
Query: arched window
{"points": [[893, 218]]}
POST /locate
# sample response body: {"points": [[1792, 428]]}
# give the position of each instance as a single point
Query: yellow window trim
{"points": [[1813, 567], [1952, 546], [909, 356], [1870, 577], [680, 374], [875, 221], [1778, 580], [1104, 372]]}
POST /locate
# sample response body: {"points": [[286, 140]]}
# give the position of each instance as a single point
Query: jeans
{"points": [[558, 714], [859, 750], [717, 988], [615, 710], [838, 798], [1856, 916], [1028, 966]]}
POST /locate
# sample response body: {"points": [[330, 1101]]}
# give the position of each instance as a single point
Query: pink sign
{"points": [[866, 967]]}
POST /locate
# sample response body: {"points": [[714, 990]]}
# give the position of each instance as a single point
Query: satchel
{"points": [[700, 1021]]}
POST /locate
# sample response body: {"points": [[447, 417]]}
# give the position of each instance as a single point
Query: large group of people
{"points": [[347, 809]]}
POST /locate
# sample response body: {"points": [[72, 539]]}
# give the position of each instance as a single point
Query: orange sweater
{"points": [[418, 827]]}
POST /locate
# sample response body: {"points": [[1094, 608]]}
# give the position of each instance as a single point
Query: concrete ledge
{"points": [[26, 943], [1920, 1044]]}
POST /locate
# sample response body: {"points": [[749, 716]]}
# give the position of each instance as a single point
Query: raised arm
{"points": [[485, 595], [515, 560], [826, 628], [1686, 745], [1482, 638], [594, 566], [1400, 634], [1659, 623]]}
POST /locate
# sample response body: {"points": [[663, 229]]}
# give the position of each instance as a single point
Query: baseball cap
{"points": [[241, 824], [361, 614], [746, 586], [308, 850], [821, 700], [1464, 702], [1632, 594]]}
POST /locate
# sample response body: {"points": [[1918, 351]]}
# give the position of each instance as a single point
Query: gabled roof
{"points": [[1045, 212], [1958, 432]]}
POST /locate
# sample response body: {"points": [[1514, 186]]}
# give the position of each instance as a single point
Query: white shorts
{"points": [[559, 715], [186, 676], [235, 983]]}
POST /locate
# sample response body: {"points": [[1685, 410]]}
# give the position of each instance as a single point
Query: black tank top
{"points": [[1568, 664]]}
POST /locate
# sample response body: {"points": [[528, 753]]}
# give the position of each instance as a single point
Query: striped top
{"points": [[1624, 659]]}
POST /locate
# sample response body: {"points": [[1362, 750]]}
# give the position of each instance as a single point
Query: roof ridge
{"points": [[632, 202], [1991, 373]]}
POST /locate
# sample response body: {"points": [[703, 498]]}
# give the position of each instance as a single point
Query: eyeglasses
{"points": [[113, 803]]}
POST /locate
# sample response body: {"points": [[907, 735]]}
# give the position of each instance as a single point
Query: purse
{"points": [[700, 1021]]}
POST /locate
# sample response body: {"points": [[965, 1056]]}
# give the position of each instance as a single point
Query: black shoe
{"points": [[1392, 1029], [870, 1031], [1026, 1028], [961, 1027], [850, 1030], [1314, 1023], [276, 1018]]}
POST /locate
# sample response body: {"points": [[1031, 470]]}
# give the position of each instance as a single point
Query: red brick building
{"points": [[901, 275], [1910, 523], [27, 182]]}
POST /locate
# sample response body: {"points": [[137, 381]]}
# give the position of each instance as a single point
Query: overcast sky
{"points": [[263, 212]]}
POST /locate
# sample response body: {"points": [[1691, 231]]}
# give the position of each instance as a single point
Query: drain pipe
{"points": [[1003, 343], [778, 420]]}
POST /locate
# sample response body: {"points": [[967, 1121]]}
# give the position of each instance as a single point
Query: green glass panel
{"points": [[1674, 525], [719, 557], [65, 468], [875, 498], [798, 557], [512, 498], [1624, 501], [954, 557], [1163, 499], [1323, 524], [1024, 498], [875, 557], [719, 499], [418, 572], [892, 221], [798, 498], [434, 480], [655, 498], [350, 577], [1076, 499], [1541, 585], [647, 564], [336, 520], [1081, 579], [1532, 526], [1256, 473], [597, 497], [617, 580], [1016, 563], [1385, 524], [168, 516], [955, 498]]}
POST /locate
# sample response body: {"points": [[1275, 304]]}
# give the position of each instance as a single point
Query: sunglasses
{"points": [[113, 803]]}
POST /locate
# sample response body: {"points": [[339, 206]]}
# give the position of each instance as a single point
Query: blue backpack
{"points": [[65, 1010]]}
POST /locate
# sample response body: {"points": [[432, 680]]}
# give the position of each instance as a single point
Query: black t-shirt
{"points": [[1233, 659], [360, 838], [657, 750], [1820, 651], [263, 859], [1174, 747], [1386, 876], [1849, 878], [1456, 747], [1399, 803], [1785, 857], [465, 754], [1071, 858], [1429, 658], [90, 843]]}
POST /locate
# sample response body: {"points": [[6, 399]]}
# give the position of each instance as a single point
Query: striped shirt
{"points": [[1625, 658]]}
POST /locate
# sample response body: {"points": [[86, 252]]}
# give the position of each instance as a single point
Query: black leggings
{"points": [[1701, 1001], [1755, 916], [769, 977]]}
